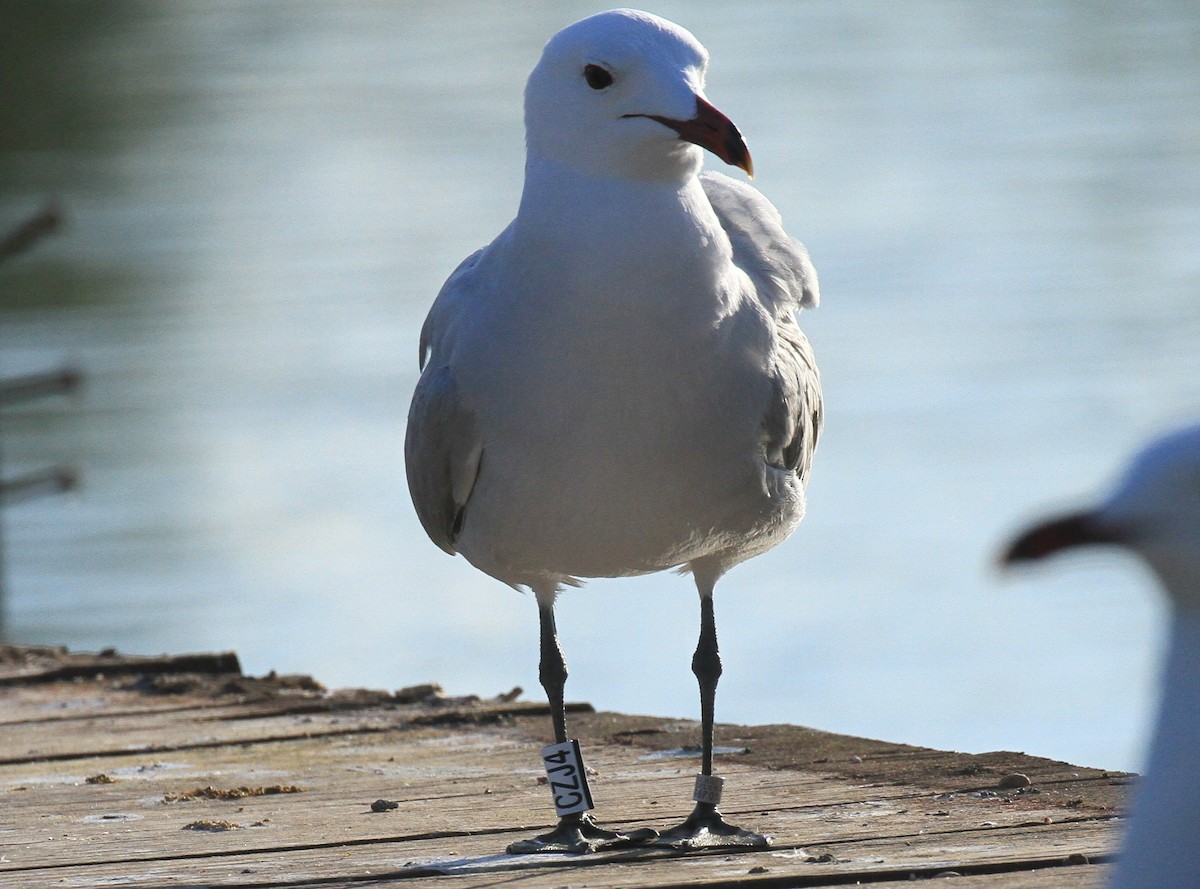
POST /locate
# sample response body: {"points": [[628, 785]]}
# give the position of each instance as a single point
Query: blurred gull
{"points": [[617, 384], [1155, 511]]}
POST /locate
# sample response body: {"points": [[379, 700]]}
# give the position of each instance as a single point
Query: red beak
{"points": [[1057, 534], [712, 130]]}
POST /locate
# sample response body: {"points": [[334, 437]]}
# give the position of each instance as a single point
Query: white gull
{"points": [[1155, 512], [617, 384]]}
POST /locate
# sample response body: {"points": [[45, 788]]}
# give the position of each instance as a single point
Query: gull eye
{"points": [[597, 78]]}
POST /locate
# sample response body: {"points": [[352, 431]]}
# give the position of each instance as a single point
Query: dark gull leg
{"points": [[578, 832], [705, 828], [552, 670]]}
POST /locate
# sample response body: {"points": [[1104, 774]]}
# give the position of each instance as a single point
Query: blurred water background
{"points": [[1003, 202]]}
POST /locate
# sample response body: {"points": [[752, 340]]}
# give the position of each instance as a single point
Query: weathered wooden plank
{"points": [[462, 861], [465, 777], [154, 829], [1052, 877], [492, 770], [860, 759], [324, 807], [1082, 876], [32, 664], [872, 859], [38, 704], [184, 728], [151, 830]]}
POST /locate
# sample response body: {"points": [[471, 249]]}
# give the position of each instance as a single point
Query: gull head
{"points": [[1154, 510], [621, 93]]}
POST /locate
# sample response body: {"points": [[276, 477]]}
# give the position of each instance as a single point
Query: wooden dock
{"points": [[180, 771]]}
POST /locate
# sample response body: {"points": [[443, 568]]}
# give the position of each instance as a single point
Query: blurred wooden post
{"points": [[26, 486], [15, 390]]}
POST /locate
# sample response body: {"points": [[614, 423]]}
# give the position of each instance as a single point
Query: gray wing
{"points": [[794, 419], [777, 264], [443, 448], [442, 454], [785, 282]]}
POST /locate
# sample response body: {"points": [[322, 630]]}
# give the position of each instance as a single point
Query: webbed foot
{"points": [[578, 835], [705, 828]]}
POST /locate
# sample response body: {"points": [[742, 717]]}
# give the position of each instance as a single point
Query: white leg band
{"points": [[708, 789], [567, 778]]}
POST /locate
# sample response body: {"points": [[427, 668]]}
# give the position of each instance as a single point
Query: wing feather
{"points": [[443, 448], [785, 281], [442, 453], [778, 264]]}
